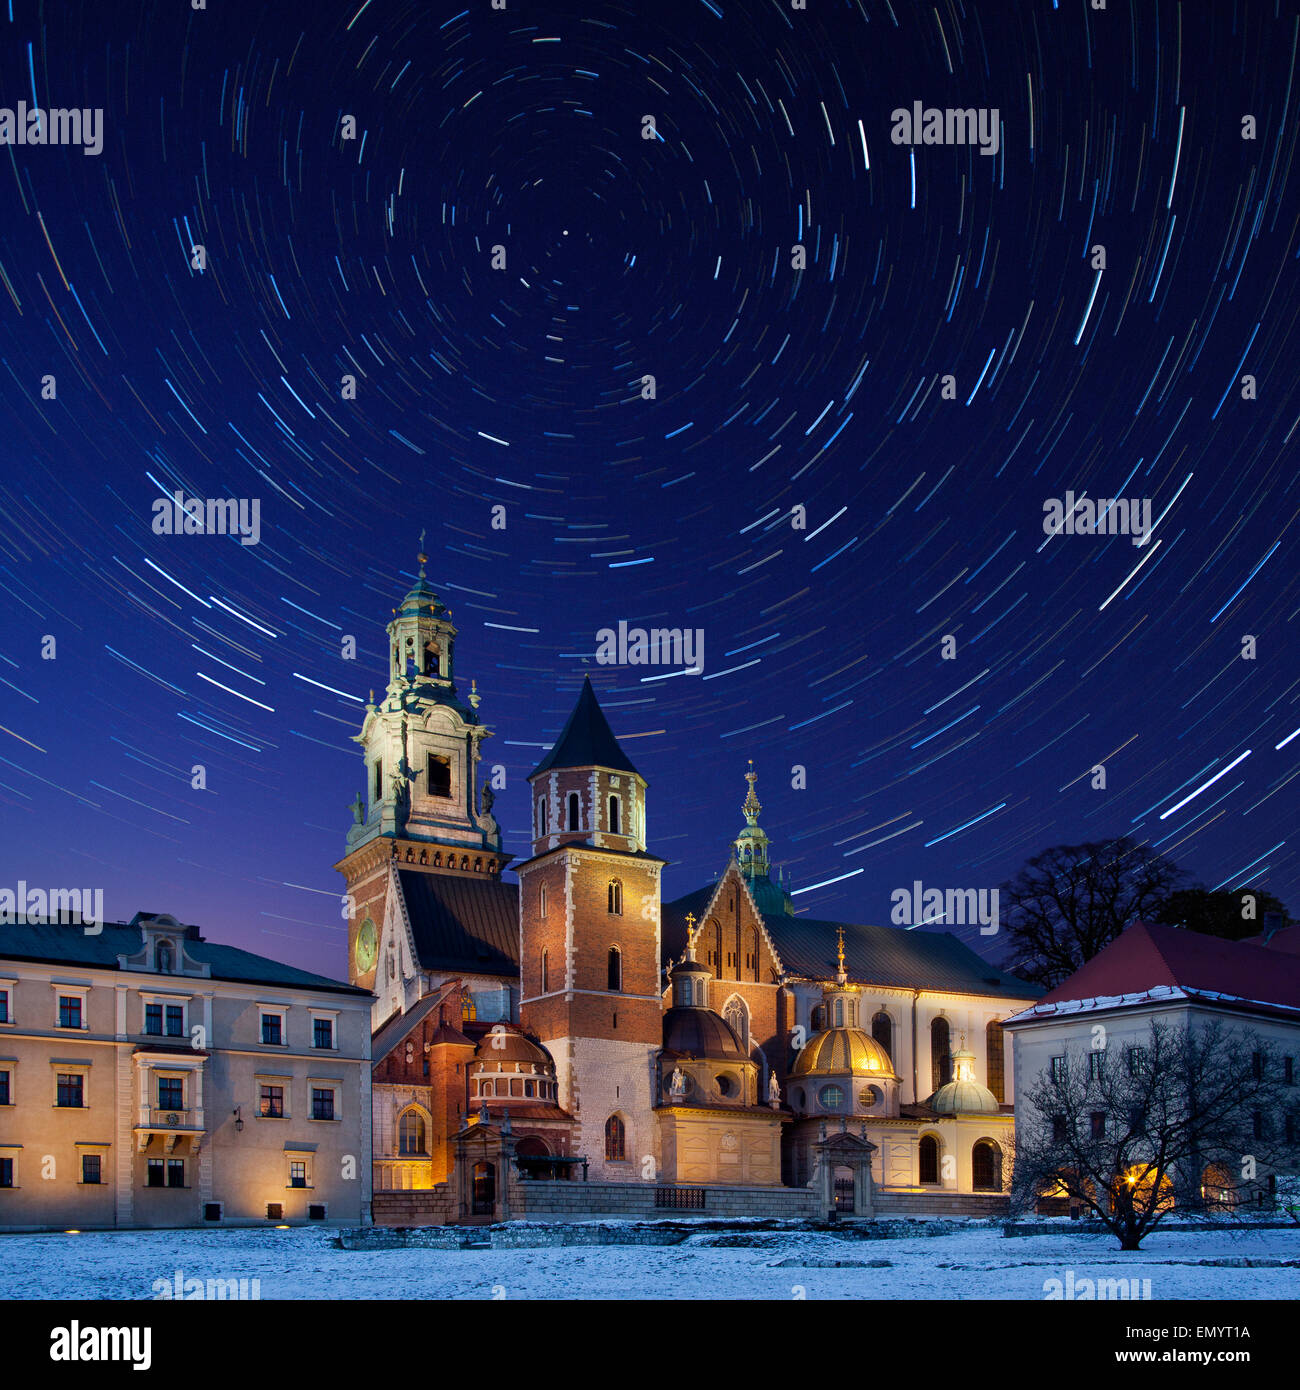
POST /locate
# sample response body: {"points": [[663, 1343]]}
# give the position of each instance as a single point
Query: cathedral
{"points": [[563, 1041]]}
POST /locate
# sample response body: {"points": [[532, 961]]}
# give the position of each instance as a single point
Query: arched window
{"points": [[615, 969], [754, 953], [839, 1013], [986, 1167], [541, 900], [940, 1053], [929, 1166], [432, 663], [882, 1030], [717, 947], [615, 1138], [737, 1016], [439, 779], [546, 971], [615, 897], [575, 811], [818, 1020], [541, 815], [613, 816], [996, 1062], [468, 1013], [410, 1133]]}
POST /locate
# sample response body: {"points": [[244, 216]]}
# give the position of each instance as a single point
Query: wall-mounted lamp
{"points": [[239, 1119]]}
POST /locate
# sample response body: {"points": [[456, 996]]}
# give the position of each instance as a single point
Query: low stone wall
{"points": [[430, 1206], [576, 1200], [968, 1204]]}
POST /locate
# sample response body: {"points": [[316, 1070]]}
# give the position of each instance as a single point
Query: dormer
{"points": [[163, 948]]}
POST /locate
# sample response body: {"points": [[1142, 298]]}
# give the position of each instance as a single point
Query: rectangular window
{"points": [[175, 1172], [322, 1033], [4, 1006], [171, 1093], [90, 1169], [297, 1174], [153, 1019], [6, 1172], [154, 1173], [1058, 1069], [69, 1011], [175, 1020], [1257, 1124], [1098, 1123], [378, 794], [272, 1102], [1288, 1070], [322, 1103], [70, 1091], [6, 1096], [1094, 1065], [272, 1030], [1059, 1131], [1134, 1056], [1257, 1065]]}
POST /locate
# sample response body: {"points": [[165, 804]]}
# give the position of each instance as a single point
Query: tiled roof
{"points": [[586, 740], [888, 956], [1150, 954], [70, 945], [462, 923]]}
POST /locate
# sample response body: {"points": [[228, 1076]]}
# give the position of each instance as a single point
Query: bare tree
{"points": [[1195, 1119], [1069, 902]]}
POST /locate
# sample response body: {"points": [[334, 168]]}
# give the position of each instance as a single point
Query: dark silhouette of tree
{"points": [[1197, 1119], [1229, 915], [1069, 902]]}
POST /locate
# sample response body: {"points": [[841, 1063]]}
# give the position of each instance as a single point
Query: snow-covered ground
{"points": [[977, 1262]]}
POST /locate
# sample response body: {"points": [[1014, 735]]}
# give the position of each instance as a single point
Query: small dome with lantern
{"points": [[963, 1095]]}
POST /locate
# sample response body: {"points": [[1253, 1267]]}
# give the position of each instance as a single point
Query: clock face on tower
{"points": [[367, 947]]}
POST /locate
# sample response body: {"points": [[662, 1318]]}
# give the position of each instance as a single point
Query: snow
{"points": [[974, 1262]]}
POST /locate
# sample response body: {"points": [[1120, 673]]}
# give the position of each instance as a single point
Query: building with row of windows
{"points": [[149, 1077]]}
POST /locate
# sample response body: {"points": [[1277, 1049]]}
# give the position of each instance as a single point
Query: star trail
{"points": [[644, 313]]}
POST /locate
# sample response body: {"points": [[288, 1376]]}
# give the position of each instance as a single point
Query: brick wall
{"points": [[427, 1207], [575, 1200]]}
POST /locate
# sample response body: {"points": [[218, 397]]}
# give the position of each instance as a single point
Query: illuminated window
{"points": [[831, 1097], [615, 897], [615, 1138]]}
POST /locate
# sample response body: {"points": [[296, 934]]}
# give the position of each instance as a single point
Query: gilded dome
{"points": [[837, 1051], [964, 1098]]}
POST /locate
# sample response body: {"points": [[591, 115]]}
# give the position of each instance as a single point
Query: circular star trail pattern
{"points": [[500, 225]]}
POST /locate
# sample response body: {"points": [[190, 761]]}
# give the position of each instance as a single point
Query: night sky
{"points": [[775, 388]]}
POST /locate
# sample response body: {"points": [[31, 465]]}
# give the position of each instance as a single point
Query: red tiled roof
{"points": [[1150, 954], [1284, 939]]}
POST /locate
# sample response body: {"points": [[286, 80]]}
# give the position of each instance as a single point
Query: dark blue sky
{"points": [[774, 388]]}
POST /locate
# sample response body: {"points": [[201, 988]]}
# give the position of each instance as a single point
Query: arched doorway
{"points": [[485, 1190], [986, 1166], [929, 1159]]}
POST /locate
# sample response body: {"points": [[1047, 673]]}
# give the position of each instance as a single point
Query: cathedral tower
{"points": [[589, 940], [421, 808]]}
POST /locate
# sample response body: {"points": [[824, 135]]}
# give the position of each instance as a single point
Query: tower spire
{"points": [[841, 978]]}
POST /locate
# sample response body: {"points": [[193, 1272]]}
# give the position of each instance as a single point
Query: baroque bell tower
{"points": [[421, 808]]}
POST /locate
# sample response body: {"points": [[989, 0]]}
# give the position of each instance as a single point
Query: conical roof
{"points": [[586, 740]]}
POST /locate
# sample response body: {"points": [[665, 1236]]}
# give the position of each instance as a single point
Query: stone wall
{"points": [[940, 1204], [540, 1200], [434, 1206]]}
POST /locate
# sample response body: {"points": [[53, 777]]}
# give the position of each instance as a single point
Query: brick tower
{"points": [[589, 941]]}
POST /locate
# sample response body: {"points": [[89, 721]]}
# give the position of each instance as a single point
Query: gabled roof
{"points": [[462, 923], [1150, 955], [891, 956], [69, 945], [586, 740]]}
